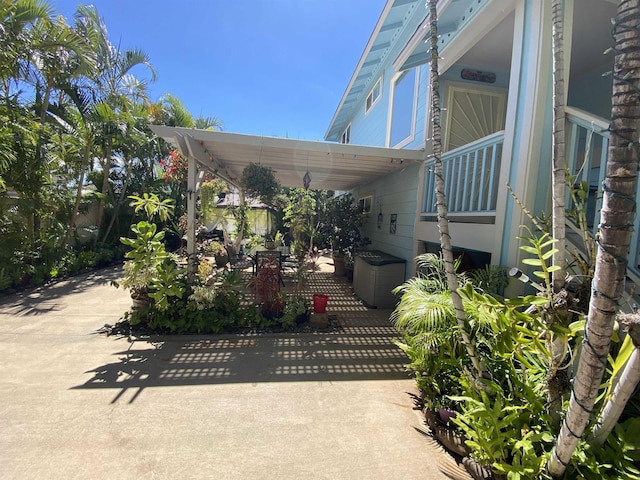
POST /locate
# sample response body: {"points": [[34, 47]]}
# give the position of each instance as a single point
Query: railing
{"points": [[471, 176], [586, 156]]}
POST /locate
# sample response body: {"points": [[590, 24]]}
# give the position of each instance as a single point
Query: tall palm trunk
{"points": [[555, 387], [559, 178], [441, 202], [615, 231]]}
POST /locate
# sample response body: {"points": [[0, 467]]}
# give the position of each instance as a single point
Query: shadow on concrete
{"points": [[367, 353], [361, 348], [55, 295]]}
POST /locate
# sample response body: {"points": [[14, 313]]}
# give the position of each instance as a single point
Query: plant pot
{"points": [[446, 415], [338, 265], [452, 439], [221, 260], [140, 300], [477, 471], [320, 302], [349, 272], [303, 318], [270, 245]]}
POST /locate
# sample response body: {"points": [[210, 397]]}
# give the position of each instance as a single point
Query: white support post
{"points": [[192, 196]]}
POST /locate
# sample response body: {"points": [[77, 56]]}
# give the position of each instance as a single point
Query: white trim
{"points": [[451, 87], [368, 108], [414, 109]]}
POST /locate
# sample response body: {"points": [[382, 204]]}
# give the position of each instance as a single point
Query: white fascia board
{"points": [[363, 57]]}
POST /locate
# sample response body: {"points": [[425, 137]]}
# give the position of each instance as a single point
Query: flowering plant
{"points": [[175, 167]]}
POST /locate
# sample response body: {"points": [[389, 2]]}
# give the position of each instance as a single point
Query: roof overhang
{"points": [[332, 166]]}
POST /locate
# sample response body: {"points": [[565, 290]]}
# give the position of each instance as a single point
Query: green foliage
{"points": [[618, 458], [431, 338], [259, 181], [296, 306], [341, 224], [492, 279], [153, 207], [300, 216]]}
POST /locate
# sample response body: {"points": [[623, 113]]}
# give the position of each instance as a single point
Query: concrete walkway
{"points": [[75, 404]]}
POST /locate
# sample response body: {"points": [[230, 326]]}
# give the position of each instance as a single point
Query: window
{"points": [[346, 135], [365, 204], [373, 96], [403, 108]]}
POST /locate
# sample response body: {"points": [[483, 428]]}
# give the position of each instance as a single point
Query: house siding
{"points": [[394, 194], [523, 69]]}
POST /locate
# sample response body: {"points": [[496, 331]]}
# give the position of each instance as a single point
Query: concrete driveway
{"points": [[76, 404]]}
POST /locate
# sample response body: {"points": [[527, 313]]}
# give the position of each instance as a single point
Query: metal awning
{"points": [[332, 166]]}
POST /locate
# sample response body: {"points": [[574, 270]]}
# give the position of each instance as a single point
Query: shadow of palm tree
{"points": [[54, 296]]}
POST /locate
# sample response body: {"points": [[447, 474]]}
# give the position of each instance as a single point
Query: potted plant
{"points": [[150, 272], [259, 181], [296, 311], [217, 251]]}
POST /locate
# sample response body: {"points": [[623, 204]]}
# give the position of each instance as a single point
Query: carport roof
{"points": [[332, 166]]}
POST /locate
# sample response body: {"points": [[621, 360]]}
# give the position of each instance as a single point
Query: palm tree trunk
{"points": [[626, 386], [119, 201], [76, 206], [441, 201], [559, 177], [555, 388], [615, 231], [106, 168]]}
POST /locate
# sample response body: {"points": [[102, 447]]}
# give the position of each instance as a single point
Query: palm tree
{"points": [[443, 221], [627, 382], [114, 86], [559, 177], [555, 388], [614, 234]]}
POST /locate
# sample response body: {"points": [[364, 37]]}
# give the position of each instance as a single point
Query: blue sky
{"points": [[264, 67]]}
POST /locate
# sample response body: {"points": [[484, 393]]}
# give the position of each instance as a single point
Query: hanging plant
{"points": [[260, 182]]}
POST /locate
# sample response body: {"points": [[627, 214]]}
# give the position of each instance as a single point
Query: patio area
{"points": [[320, 404]]}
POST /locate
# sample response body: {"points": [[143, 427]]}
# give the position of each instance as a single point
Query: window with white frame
{"points": [[403, 108], [374, 96], [346, 135], [365, 203]]}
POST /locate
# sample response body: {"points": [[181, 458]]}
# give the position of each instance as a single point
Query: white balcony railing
{"points": [[587, 146], [471, 175]]}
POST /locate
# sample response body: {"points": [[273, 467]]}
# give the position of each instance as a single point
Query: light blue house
{"points": [[496, 92]]}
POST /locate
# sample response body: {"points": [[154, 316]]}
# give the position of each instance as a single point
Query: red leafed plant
{"points": [[175, 167]]}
